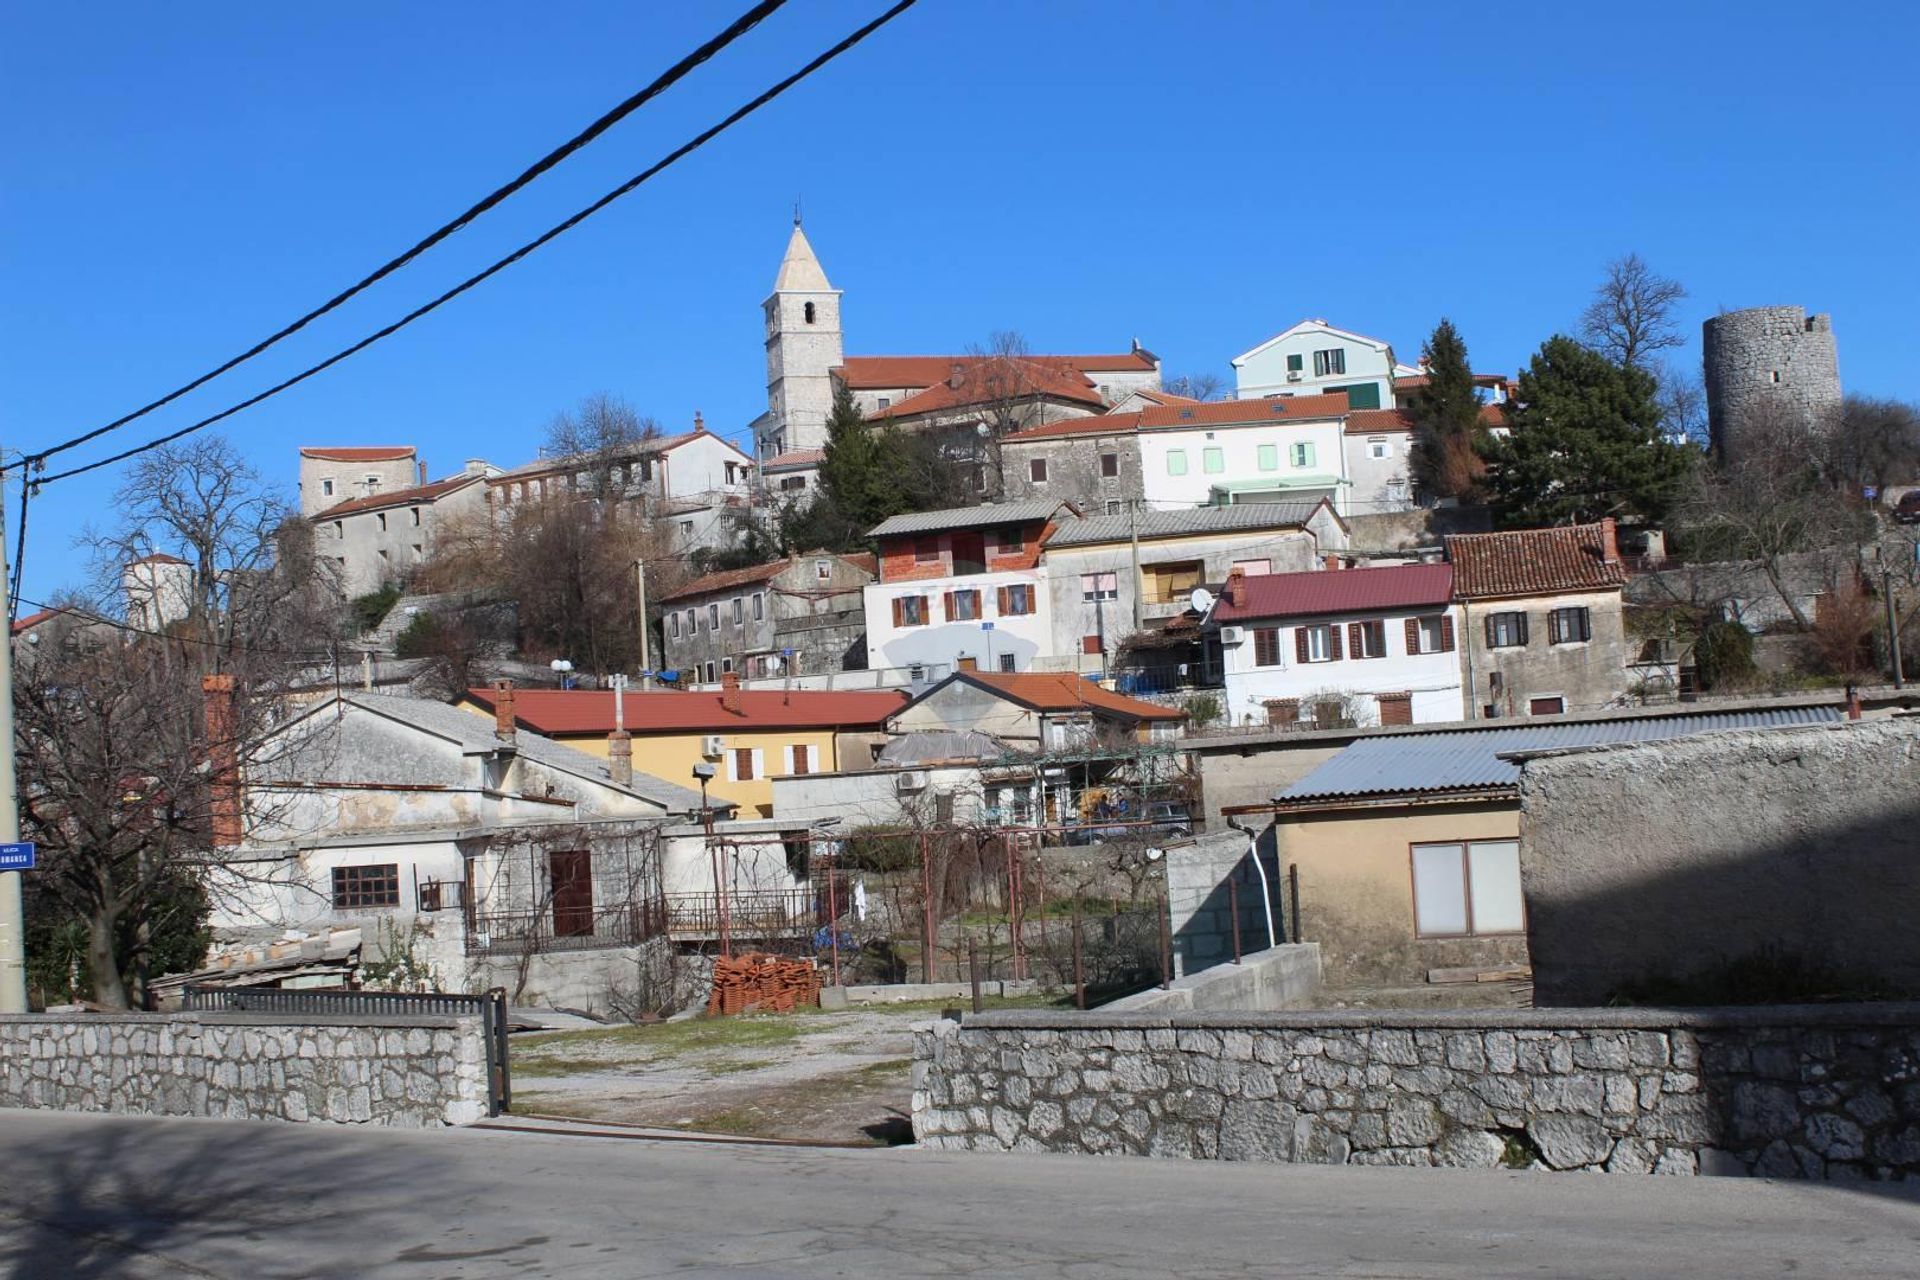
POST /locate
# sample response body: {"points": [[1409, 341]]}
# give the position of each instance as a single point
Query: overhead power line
{"points": [[693, 144]]}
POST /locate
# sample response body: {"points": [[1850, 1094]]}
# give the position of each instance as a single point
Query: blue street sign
{"points": [[17, 857], [986, 626]]}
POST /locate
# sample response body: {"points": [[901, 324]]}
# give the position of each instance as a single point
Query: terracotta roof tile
{"points": [[988, 381], [588, 711], [725, 580], [795, 458], [1530, 562], [1060, 691], [879, 373], [1337, 591], [371, 453], [1373, 421], [398, 497], [1215, 413]]}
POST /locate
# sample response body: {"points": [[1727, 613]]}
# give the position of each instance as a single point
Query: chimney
{"points": [[699, 424], [1853, 702], [730, 693], [223, 760], [503, 711], [1237, 586], [422, 471], [620, 757], [1609, 541]]}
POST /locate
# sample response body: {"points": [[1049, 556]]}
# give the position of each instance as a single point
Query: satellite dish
{"points": [[1201, 599]]}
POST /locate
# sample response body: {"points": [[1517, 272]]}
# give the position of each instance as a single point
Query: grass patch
{"points": [[733, 1066]]}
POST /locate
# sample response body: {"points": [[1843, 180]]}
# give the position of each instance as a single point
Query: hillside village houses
{"points": [[800, 616]]}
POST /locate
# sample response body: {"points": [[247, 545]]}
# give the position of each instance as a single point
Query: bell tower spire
{"points": [[803, 348]]}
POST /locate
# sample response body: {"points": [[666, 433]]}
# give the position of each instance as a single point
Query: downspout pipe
{"points": [[1266, 891]]}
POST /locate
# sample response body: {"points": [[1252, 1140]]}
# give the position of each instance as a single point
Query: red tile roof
{"points": [[1413, 382], [795, 458], [372, 453], [1213, 413], [1059, 691], [32, 620], [1532, 562], [1374, 421], [726, 579], [879, 373], [399, 497], [987, 381], [157, 557], [575, 712], [1336, 591]]}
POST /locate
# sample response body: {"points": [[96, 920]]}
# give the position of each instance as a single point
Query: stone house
{"points": [[1365, 646], [799, 616], [384, 537], [1544, 619], [1097, 601], [1402, 851], [330, 476]]}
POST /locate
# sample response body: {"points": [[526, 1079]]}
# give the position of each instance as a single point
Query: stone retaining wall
{"points": [[407, 1071], [1282, 977], [1802, 1091]]}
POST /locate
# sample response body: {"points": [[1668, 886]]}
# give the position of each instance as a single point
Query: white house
{"points": [[159, 589], [1314, 358], [1348, 646], [963, 589]]}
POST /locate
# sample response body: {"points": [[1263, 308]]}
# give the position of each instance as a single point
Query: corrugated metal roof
{"points": [[1469, 759], [1192, 520], [987, 513]]}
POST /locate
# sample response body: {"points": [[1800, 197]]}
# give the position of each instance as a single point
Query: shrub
{"points": [[1723, 654], [371, 609], [422, 637], [1202, 710]]}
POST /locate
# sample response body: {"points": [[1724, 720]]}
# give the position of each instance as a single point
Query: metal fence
{"points": [[491, 1009], [517, 932]]}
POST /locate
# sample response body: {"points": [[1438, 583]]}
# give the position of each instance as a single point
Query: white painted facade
{"points": [[158, 589], [1379, 468], [1220, 465], [992, 639], [1314, 358], [1433, 678]]}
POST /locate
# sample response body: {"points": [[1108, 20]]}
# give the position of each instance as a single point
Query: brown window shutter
{"points": [[1413, 635], [1488, 623], [1523, 627], [1300, 644], [743, 763], [1333, 644], [1396, 708], [1446, 633], [1000, 601], [1090, 644], [899, 612], [1353, 639], [946, 604]]}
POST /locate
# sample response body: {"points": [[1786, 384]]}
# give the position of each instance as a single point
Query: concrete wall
{"points": [[1200, 904], [1382, 484], [404, 1071], [1283, 977], [1240, 771], [1795, 1092], [1662, 861], [1074, 470]]}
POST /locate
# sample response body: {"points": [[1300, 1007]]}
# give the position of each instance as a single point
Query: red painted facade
{"points": [[962, 551]]}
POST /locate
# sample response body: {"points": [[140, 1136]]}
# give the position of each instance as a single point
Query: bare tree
{"points": [[1875, 443], [1683, 404], [1202, 385], [604, 440], [1631, 316]]}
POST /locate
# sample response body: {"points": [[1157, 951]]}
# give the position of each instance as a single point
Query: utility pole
{"points": [[640, 589], [1893, 623], [1133, 536], [13, 925]]}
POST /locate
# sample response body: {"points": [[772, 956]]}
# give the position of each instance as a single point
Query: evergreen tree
{"points": [[1448, 440], [1586, 443], [855, 475]]}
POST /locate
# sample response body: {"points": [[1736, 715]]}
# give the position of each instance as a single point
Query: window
{"points": [[1266, 646], [739, 611], [1300, 454], [1430, 635], [713, 615], [673, 625], [1329, 362], [1115, 506], [1361, 395], [1253, 568], [1554, 706], [1006, 663], [416, 517], [1099, 586], [1316, 644], [1377, 447], [790, 483], [693, 621], [800, 759], [339, 528], [926, 550], [1016, 601], [1109, 464], [383, 522], [1467, 889], [1091, 645], [1268, 457], [726, 666], [1295, 362], [1569, 626], [419, 553], [743, 764], [1213, 460], [1283, 713], [822, 570], [326, 488], [963, 606], [1037, 470], [1171, 583], [711, 675], [1012, 542], [806, 312], [1506, 630], [686, 528], [1367, 639], [1176, 462], [1395, 708], [884, 401], [910, 611], [377, 885], [759, 606], [373, 484]]}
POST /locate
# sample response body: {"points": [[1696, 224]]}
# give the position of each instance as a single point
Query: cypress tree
{"points": [[1448, 439]]}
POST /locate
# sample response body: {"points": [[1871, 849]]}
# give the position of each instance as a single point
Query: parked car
{"points": [[1169, 818], [1907, 510]]}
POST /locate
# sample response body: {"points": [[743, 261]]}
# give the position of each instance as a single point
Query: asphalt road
{"points": [[87, 1196]]}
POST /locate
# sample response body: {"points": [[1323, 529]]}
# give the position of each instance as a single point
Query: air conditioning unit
{"points": [[1294, 375], [910, 780], [713, 746], [1232, 635]]}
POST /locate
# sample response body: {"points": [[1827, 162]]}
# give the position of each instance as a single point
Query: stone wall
{"points": [[1768, 355], [1830, 1091], [411, 1072], [1740, 855], [1282, 977]]}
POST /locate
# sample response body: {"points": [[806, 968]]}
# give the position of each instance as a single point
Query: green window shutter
{"points": [[1306, 451], [1176, 462], [1214, 460], [1362, 395], [1294, 363], [1269, 457]]}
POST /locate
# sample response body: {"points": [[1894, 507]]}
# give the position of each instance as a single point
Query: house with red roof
{"points": [[1544, 619], [1341, 647], [384, 532], [799, 616], [331, 475]]}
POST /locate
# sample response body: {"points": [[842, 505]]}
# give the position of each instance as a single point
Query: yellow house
{"points": [[747, 737]]}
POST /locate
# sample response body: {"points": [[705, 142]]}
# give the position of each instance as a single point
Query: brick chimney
{"points": [[1237, 586], [699, 423], [422, 472], [223, 760], [1609, 541], [620, 757], [730, 693], [503, 711]]}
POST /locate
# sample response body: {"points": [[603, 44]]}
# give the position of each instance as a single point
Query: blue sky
{"points": [[182, 179]]}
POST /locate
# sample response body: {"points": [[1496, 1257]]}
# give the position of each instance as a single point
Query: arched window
{"points": [[808, 312]]}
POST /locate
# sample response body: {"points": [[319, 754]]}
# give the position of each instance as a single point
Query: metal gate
{"points": [[491, 1009]]}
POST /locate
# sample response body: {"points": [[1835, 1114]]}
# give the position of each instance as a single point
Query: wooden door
{"points": [[571, 874]]}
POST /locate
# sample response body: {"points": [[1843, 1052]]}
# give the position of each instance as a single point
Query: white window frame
{"points": [[326, 487], [1320, 634], [1431, 640], [1495, 910], [1300, 454], [1100, 586], [1378, 447]]}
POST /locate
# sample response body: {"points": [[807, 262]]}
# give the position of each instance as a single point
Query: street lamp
{"points": [[563, 671]]}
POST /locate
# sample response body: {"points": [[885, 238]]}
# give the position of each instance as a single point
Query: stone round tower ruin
{"points": [[1767, 356]]}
